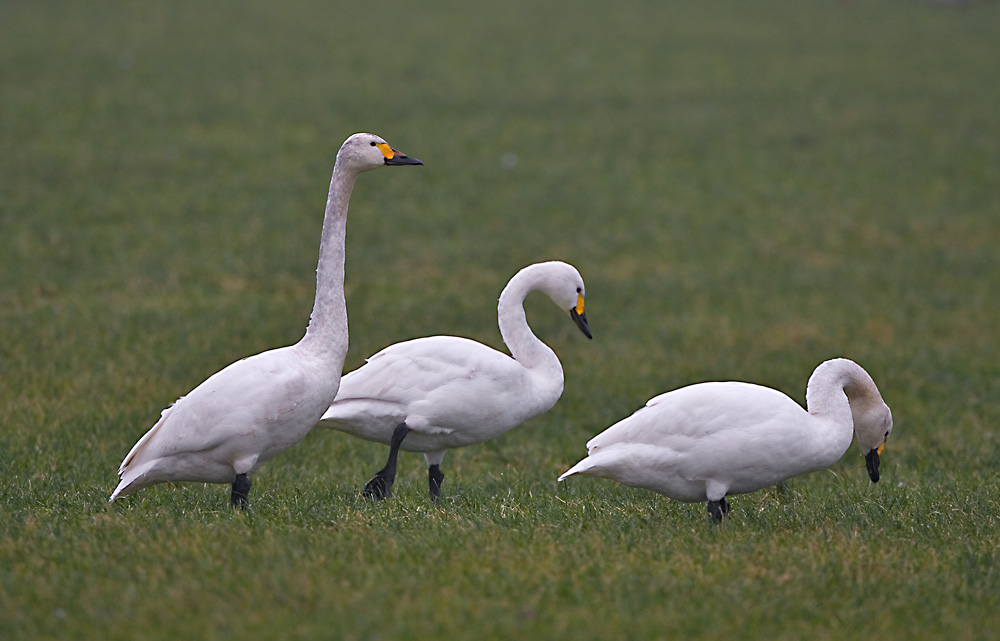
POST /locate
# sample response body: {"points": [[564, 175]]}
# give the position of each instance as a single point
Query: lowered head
{"points": [[871, 416], [872, 426], [837, 378], [564, 285]]}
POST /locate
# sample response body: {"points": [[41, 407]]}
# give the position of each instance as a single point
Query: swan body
{"points": [[706, 441], [257, 407], [442, 392]]}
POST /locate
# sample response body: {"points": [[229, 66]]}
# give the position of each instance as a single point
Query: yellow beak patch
{"points": [[386, 150], [880, 448], [579, 303]]}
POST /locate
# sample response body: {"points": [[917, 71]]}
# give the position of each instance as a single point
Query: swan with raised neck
{"points": [[257, 407]]}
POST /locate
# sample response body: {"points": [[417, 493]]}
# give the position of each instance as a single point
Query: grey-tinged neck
{"points": [[524, 346], [837, 384], [327, 330]]}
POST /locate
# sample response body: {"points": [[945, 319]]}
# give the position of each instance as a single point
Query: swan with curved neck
{"points": [[436, 393], [256, 408], [706, 441]]}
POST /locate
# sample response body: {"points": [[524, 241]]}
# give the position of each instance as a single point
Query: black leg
{"points": [[380, 487], [434, 478], [241, 492], [718, 509]]}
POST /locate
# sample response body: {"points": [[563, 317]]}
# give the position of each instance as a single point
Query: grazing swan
{"points": [[257, 407], [441, 392], [708, 440]]}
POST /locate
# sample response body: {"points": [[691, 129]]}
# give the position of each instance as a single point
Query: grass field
{"points": [[747, 188]]}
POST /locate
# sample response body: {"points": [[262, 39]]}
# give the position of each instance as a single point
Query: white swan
{"points": [[257, 407], [708, 440], [441, 392]]}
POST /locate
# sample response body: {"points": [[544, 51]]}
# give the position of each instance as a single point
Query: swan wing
{"points": [[704, 413], [236, 419], [736, 436], [439, 385]]}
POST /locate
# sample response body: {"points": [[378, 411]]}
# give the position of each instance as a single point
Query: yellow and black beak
{"points": [[579, 317], [872, 461], [393, 157]]}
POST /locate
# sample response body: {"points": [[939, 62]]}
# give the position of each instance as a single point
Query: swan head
{"points": [[364, 152], [872, 427], [836, 378], [564, 285]]}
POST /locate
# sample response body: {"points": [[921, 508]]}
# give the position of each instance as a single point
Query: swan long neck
{"points": [[327, 330], [838, 389], [524, 346]]}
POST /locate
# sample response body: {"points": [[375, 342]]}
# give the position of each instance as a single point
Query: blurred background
{"points": [[747, 188]]}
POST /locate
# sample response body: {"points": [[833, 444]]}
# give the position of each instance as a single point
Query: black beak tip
{"points": [[402, 159], [871, 462], [581, 322]]}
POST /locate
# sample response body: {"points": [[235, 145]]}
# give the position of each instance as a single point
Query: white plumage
{"points": [[257, 407], [709, 440], [441, 392]]}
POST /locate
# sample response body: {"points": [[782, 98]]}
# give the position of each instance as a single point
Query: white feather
{"points": [[708, 440], [257, 407], [452, 391]]}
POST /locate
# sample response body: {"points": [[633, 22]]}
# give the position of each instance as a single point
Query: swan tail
{"points": [[146, 438], [132, 479], [129, 471], [582, 467], [123, 488], [118, 491]]}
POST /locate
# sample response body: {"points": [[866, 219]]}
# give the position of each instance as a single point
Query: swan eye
{"points": [[372, 143]]}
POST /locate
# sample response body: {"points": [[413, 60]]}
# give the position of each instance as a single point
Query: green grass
{"points": [[747, 188]]}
